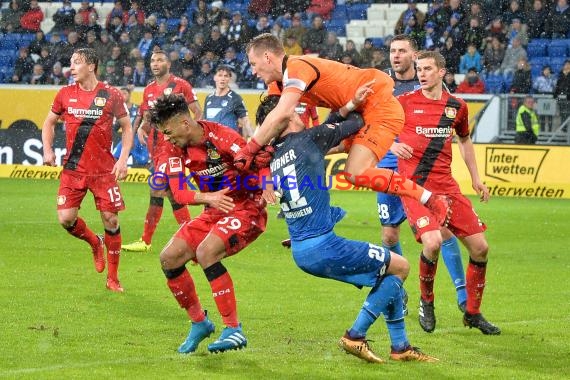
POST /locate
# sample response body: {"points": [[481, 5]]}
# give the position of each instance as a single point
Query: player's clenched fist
{"points": [[263, 157]]}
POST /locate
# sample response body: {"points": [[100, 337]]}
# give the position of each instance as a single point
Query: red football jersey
{"points": [[211, 163], [88, 117], [174, 85], [429, 130]]}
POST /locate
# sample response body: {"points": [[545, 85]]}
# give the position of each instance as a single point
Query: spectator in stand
{"points": [[126, 43], [449, 81], [493, 56], [562, 91], [56, 76], [291, 45], [471, 84], [162, 36], [64, 18], [415, 30], [216, 13], [474, 34], [457, 7], [278, 31], [175, 64], [110, 75], [438, 15], [315, 37], [200, 11], [23, 67], [517, 29], [403, 20], [181, 36], [85, 9], [545, 83], [104, 46], [127, 77], [455, 30], [366, 53], [239, 32], [496, 29], [536, 20], [522, 79], [199, 27], [80, 28], [477, 11], [322, 8], [56, 47], [118, 58], [197, 45], [146, 43], [512, 56], [37, 43], [297, 28], [451, 54], [45, 59], [189, 59], [331, 49], [431, 37], [117, 11], [133, 28], [38, 75], [379, 60], [188, 74], [225, 27], [151, 23], [93, 24], [558, 20], [515, 11], [72, 44], [205, 79], [471, 59], [350, 49], [262, 25], [140, 75], [115, 27], [211, 58], [31, 19], [11, 16], [136, 11], [230, 59], [216, 43]]}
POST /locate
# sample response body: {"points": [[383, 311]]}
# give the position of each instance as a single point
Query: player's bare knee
{"points": [[110, 220], [206, 256], [390, 236], [399, 266], [479, 252]]}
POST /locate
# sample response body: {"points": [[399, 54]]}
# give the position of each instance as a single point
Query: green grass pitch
{"points": [[57, 320]]}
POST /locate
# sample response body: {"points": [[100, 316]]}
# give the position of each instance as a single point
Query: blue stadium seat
{"points": [[494, 84], [536, 49], [357, 12], [557, 48], [556, 64], [337, 25], [377, 42], [1, 77], [9, 44]]}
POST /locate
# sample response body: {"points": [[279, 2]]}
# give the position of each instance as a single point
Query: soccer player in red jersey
{"points": [[88, 108], [233, 217], [432, 115], [164, 83], [326, 83]]}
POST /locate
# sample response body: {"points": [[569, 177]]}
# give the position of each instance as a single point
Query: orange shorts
{"points": [[383, 122]]}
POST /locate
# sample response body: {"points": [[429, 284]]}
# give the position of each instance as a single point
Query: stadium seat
{"points": [[9, 44], [494, 84], [337, 25], [357, 12], [556, 64], [536, 49], [377, 42], [557, 48]]}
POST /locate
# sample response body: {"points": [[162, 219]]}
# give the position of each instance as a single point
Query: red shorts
{"points": [[464, 220], [73, 187], [237, 229]]}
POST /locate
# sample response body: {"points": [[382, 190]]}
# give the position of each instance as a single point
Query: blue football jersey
{"points": [[225, 110], [298, 171]]}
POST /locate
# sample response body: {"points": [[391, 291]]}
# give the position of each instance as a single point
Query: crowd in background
{"points": [[477, 37]]}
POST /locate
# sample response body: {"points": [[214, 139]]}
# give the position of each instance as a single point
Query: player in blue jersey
{"points": [[225, 106], [403, 52], [139, 153], [299, 174]]}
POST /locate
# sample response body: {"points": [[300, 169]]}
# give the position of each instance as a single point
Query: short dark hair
{"points": [[405, 37], [266, 105], [90, 56], [167, 107], [225, 68]]}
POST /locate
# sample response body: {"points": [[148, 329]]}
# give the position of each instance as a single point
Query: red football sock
{"points": [[113, 244], [475, 285], [223, 292], [181, 213], [390, 182], [151, 221], [427, 275], [81, 231], [183, 289]]}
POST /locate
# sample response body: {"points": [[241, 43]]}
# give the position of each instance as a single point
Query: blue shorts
{"points": [[390, 210], [331, 256]]}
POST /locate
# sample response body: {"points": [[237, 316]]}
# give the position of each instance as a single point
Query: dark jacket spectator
{"points": [[558, 20], [11, 16], [56, 76], [315, 37], [331, 49], [36, 45], [64, 17], [449, 82], [136, 11], [261, 26], [515, 11], [438, 15], [563, 84], [238, 33], [536, 20], [199, 27], [117, 11], [451, 54], [522, 81], [405, 16], [474, 34], [493, 56], [38, 76], [216, 43], [23, 67]]}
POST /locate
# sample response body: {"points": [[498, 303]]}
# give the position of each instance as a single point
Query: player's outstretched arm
{"points": [[359, 97], [120, 168], [468, 154], [278, 119], [48, 134]]}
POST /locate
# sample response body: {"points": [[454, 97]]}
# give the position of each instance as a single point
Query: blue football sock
{"points": [[396, 248], [452, 258], [385, 298]]}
